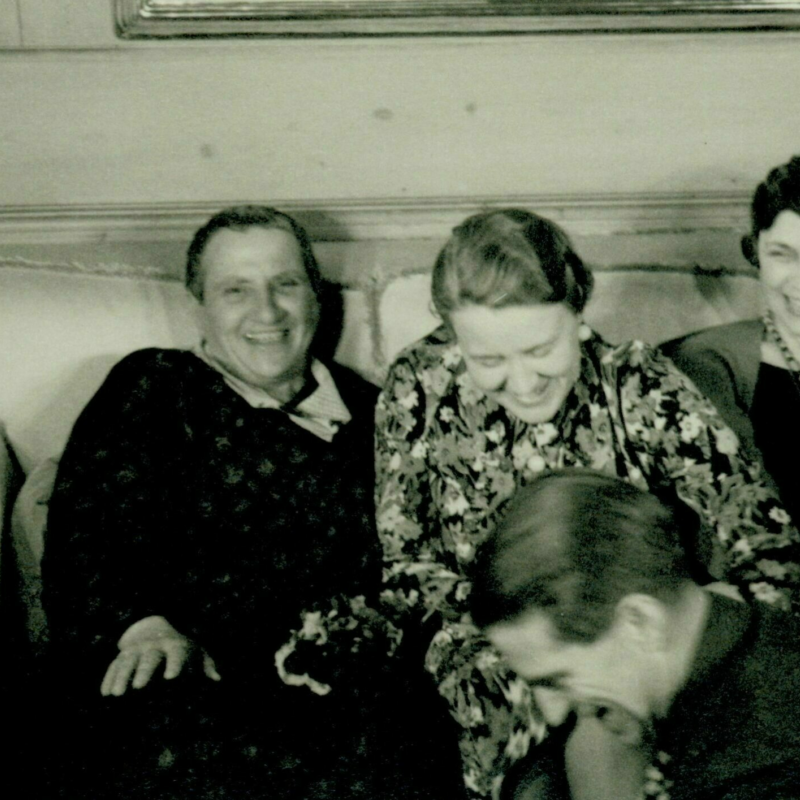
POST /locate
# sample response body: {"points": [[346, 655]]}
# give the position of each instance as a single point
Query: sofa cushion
{"points": [[28, 523], [69, 328]]}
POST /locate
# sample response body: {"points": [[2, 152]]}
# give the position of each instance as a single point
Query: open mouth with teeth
{"points": [[267, 337], [533, 399]]}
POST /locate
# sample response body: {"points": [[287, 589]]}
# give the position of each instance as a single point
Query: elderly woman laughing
{"points": [[204, 498]]}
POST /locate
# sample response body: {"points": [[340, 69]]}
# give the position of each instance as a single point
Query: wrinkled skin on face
{"points": [[259, 312]]}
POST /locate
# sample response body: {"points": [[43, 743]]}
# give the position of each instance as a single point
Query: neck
{"points": [[284, 391], [687, 625]]}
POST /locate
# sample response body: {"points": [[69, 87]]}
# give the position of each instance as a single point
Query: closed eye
{"points": [[781, 251], [541, 351], [288, 283], [233, 292], [556, 680], [487, 361]]}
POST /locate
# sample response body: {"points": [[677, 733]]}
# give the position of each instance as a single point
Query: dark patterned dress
{"points": [[448, 459]]}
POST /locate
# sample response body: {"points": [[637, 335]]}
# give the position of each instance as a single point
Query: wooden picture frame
{"points": [[279, 18]]}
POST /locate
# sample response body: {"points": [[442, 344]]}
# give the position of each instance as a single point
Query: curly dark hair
{"points": [[779, 191]]}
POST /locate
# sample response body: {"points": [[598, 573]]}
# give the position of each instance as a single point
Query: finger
{"points": [[125, 666], [148, 663], [210, 668], [176, 653], [108, 679]]}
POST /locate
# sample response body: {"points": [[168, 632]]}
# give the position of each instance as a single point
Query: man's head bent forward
{"points": [[587, 589]]}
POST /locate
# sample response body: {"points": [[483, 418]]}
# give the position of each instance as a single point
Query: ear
{"points": [[750, 249], [642, 622], [197, 310]]}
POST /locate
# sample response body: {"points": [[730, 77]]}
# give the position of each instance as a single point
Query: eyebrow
{"points": [[780, 245], [548, 343], [230, 281]]}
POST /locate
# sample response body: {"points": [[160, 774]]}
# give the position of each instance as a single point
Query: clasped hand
{"points": [[143, 648]]}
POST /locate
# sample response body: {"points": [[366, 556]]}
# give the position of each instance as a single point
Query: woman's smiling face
{"points": [[779, 263], [259, 312], [526, 358]]}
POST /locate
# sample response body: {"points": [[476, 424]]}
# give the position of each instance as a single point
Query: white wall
{"points": [[573, 115]]}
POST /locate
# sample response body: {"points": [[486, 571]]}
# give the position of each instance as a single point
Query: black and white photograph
{"points": [[397, 399]]}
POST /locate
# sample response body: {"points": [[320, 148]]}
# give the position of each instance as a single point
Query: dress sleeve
{"points": [[681, 440], [416, 581], [111, 539]]}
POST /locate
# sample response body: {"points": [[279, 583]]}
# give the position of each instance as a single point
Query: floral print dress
{"points": [[448, 459]]}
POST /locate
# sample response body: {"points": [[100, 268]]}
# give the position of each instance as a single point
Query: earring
{"points": [[584, 332]]}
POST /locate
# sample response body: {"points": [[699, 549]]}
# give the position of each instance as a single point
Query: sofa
{"points": [[65, 325]]}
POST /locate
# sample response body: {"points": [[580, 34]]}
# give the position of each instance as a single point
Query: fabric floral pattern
{"points": [[449, 458]]}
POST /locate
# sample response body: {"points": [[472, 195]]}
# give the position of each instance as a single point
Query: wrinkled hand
{"points": [[142, 649]]}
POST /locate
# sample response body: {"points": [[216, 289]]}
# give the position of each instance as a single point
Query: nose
{"points": [[554, 705], [267, 306], [522, 379]]}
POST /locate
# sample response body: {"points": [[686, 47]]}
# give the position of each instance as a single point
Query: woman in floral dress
{"points": [[512, 384]]}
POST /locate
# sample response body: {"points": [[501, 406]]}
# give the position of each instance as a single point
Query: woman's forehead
{"points": [[512, 328], [784, 229]]}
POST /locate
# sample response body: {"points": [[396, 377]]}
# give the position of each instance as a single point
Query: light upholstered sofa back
{"points": [[63, 331], [69, 312]]}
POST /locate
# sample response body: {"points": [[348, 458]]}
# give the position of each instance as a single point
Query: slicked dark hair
{"points": [[241, 218], [509, 257], [779, 191], [575, 542]]}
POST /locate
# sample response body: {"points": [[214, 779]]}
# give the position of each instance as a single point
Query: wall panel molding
{"points": [[359, 242], [378, 219], [176, 18]]}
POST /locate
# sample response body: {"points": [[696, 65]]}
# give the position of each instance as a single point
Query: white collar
{"points": [[322, 412]]}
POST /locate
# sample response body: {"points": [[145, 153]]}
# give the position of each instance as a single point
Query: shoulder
{"points": [[649, 384], [723, 361], [436, 353], [630, 358], [726, 340], [157, 360], [143, 373]]}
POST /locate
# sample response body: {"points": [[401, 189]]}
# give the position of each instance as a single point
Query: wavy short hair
{"points": [[509, 257], [779, 191], [575, 542], [241, 218]]}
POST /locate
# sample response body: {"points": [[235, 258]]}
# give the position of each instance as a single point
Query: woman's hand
{"points": [[142, 649]]}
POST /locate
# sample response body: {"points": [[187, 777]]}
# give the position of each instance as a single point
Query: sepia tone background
{"points": [[645, 146]]}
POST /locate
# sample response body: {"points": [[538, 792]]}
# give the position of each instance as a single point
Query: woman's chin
{"points": [[534, 414], [787, 315]]}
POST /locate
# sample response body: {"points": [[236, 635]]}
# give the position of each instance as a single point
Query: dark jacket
{"points": [[733, 732], [175, 497], [723, 362]]}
